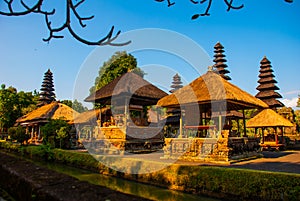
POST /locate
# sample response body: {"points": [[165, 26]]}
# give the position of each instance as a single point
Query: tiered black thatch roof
{"points": [[267, 88], [47, 94], [130, 85], [220, 60], [176, 84]]}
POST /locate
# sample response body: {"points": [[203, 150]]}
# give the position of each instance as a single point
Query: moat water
{"points": [[126, 186]]}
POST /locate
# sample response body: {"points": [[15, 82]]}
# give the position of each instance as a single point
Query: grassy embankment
{"points": [[227, 183]]}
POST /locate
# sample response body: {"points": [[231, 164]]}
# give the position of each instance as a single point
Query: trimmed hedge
{"points": [[221, 182], [230, 183]]}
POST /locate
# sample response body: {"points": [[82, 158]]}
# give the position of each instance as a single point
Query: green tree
{"points": [[8, 103], [67, 102], [50, 131], [62, 134], [119, 64], [76, 105], [14, 104]]}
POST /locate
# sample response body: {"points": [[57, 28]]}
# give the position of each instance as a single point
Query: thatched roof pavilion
{"points": [[212, 88], [37, 118], [268, 118], [54, 110], [140, 91], [127, 126], [210, 93]]}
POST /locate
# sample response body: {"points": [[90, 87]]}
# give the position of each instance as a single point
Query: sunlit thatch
{"points": [[268, 118], [209, 89], [53, 110]]}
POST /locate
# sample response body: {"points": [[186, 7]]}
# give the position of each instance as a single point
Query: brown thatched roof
{"points": [[53, 110], [209, 89], [131, 85], [268, 118]]}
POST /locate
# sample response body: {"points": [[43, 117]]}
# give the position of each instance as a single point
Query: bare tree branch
{"points": [[54, 31], [25, 12], [71, 9], [229, 4], [169, 2]]}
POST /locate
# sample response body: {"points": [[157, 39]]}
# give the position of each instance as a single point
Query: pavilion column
{"points": [[182, 114], [126, 111], [282, 132], [39, 132], [220, 123], [157, 115], [244, 121], [263, 135], [32, 131], [276, 135]]}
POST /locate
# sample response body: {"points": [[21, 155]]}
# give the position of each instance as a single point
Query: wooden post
{"points": [[220, 123], [282, 131], [263, 135], [276, 135], [244, 121], [126, 111], [180, 127]]}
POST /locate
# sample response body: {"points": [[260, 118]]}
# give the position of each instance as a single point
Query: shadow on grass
{"points": [[272, 166]]}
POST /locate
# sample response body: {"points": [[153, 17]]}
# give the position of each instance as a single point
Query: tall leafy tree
{"points": [[119, 64], [14, 104]]}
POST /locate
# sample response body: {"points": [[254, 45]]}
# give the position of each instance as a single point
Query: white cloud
{"points": [[292, 92], [290, 102]]}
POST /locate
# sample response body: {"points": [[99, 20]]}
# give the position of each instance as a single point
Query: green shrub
{"points": [[18, 134], [55, 131]]}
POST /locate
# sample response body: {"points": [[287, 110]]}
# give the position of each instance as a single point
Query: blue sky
{"points": [[262, 28]]}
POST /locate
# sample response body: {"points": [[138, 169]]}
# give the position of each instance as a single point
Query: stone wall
{"points": [[26, 181]]}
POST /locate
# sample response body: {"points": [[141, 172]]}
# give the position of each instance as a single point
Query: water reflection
{"points": [[126, 186]]}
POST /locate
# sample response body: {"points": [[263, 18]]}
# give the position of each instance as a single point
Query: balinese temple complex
{"points": [[48, 108], [198, 125]]}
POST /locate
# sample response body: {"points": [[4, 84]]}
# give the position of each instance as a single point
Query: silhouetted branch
{"points": [[25, 12], [229, 4], [169, 2], [71, 9], [54, 31]]}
